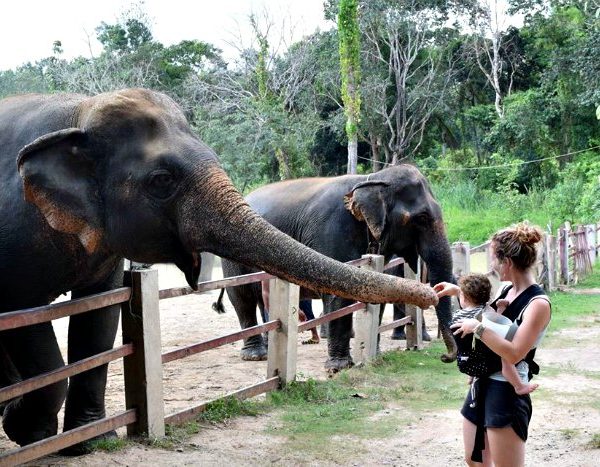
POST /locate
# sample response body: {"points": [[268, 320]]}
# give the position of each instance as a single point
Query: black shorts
{"points": [[502, 407]]}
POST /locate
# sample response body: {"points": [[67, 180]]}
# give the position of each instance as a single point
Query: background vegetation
{"points": [[502, 119]]}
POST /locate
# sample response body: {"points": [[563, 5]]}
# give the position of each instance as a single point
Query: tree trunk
{"points": [[352, 154], [375, 145]]}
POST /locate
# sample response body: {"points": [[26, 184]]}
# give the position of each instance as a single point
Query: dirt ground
{"points": [[560, 430]]}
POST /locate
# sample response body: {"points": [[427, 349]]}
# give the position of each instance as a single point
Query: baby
{"points": [[473, 295]]}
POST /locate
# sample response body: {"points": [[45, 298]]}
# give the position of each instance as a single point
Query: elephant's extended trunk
{"points": [[241, 235]]}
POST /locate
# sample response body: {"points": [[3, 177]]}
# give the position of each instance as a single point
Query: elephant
{"points": [[86, 181], [392, 211]]}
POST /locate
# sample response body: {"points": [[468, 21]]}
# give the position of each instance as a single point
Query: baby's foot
{"points": [[526, 388]]}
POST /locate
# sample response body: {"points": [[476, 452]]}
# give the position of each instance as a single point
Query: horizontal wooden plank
{"points": [[31, 384], [331, 316], [41, 314], [480, 248], [68, 438], [214, 285], [395, 324], [219, 341], [250, 391], [393, 263]]}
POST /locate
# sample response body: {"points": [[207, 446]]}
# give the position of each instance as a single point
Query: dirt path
{"points": [[566, 412]]}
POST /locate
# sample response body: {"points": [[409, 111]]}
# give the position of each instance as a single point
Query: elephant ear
{"points": [[59, 178], [366, 203]]}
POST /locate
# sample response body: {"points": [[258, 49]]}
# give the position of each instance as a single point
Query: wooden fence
{"points": [[563, 259], [143, 361]]}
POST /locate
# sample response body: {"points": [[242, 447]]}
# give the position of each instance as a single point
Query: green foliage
{"points": [[349, 36]]}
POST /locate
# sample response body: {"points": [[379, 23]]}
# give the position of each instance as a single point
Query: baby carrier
{"points": [[473, 357]]}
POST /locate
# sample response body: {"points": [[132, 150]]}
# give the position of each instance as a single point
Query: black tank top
{"points": [[514, 312]]}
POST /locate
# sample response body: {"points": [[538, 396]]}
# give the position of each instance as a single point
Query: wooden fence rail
{"points": [[143, 361]]}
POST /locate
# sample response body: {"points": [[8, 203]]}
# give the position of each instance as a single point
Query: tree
{"points": [[349, 36], [251, 113], [408, 75]]}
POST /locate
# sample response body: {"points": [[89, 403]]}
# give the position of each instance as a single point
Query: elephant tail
{"points": [[218, 305]]}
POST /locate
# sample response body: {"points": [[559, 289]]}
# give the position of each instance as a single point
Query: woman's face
{"points": [[500, 266]]}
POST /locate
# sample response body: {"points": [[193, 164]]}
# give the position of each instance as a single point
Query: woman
{"points": [[499, 412]]}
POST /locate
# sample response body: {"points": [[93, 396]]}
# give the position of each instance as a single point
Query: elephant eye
{"points": [[161, 184]]}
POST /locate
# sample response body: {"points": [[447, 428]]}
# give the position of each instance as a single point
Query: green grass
{"points": [[570, 310], [569, 433], [108, 445], [595, 441], [591, 281]]}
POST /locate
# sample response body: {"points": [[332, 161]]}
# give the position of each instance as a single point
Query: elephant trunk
{"points": [[436, 253], [236, 232]]}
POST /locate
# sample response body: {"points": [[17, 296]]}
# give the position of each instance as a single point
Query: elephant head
{"points": [[402, 214], [128, 177]]}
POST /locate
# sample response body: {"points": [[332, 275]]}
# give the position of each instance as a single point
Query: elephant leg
{"points": [[244, 300], [8, 374], [328, 304], [31, 351], [340, 331], [89, 334]]}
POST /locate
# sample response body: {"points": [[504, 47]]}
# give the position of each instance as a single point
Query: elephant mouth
{"points": [[190, 264]]}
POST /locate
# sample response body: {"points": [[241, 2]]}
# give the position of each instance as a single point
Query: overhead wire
{"points": [[488, 167]]}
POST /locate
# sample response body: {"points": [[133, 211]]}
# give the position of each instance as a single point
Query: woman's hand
{"points": [[444, 289], [465, 326]]}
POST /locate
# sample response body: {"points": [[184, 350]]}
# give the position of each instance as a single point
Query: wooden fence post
{"points": [[590, 234], [414, 331], [283, 343], [461, 258], [551, 261], [597, 239], [366, 322], [563, 254], [143, 369]]}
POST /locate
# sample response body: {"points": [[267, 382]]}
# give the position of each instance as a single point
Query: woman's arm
{"points": [[535, 318]]}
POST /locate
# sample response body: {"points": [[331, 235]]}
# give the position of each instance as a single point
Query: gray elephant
{"points": [[392, 211], [86, 181]]}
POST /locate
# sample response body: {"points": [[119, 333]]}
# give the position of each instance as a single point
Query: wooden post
{"points": [[541, 265], [283, 343], [488, 258], [597, 240], [563, 254], [461, 258], [143, 369], [366, 322], [551, 260], [414, 331], [590, 234]]}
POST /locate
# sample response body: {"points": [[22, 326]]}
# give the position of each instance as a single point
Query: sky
{"points": [[28, 28]]}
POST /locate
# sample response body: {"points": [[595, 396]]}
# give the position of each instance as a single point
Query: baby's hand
{"points": [[501, 305]]}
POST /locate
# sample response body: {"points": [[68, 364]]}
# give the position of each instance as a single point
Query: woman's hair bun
{"points": [[527, 234]]}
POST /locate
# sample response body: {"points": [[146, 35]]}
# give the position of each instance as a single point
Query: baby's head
{"points": [[475, 289]]}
